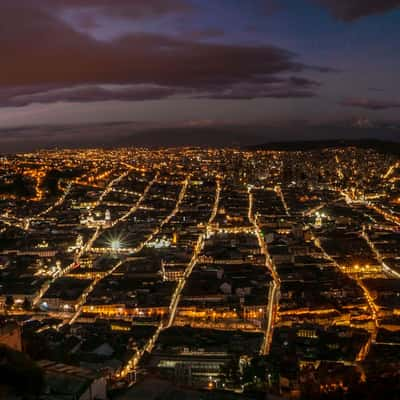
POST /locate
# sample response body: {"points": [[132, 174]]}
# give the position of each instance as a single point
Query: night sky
{"points": [[174, 63]]}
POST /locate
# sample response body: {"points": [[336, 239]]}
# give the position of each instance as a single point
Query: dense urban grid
{"points": [[208, 271]]}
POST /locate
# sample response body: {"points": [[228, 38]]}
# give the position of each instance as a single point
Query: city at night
{"points": [[199, 200]]}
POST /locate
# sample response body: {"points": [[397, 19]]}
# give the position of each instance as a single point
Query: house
{"points": [[66, 382], [10, 335]]}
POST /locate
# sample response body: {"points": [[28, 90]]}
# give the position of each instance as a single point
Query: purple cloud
{"points": [[19, 97], [292, 87], [121, 8], [165, 64], [350, 10]]}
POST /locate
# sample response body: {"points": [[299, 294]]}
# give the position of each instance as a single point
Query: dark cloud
{"points": [[350, 10], [19, 97], [38, 49], [45, 50], [370, 104], [279, 88]]}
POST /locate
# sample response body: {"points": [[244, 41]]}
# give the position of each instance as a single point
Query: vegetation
{"points": [[19, 372]]}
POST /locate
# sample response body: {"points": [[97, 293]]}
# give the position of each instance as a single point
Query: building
{"points": [[10, 335], [66, 382]]}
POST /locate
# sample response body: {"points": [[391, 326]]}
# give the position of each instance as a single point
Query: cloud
{"points": [[19, 97], [291, 87], [29, 57], [370, 104], [351, 10], [120, 8], [278, 88], [39, 50]]}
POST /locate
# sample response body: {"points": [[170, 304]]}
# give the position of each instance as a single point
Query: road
{"points": [[279, 192], [131, 211], [134, 208], [273, 298], [386, 269], [57, 203], [273, 293], [370, 303], [197, 250], [90, 289], [156, 231], [131, 365], [85, 248], [178, 291]]}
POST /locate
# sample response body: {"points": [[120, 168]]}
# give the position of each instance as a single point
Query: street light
{"points": [[115, 245]]}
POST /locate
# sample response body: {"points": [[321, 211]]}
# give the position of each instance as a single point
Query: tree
{"points": [[9, 302], [26, 305], [230, 371], [20, 373]]}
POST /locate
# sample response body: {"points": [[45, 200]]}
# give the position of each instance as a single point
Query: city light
{"points": [[115, 245], [217, 281]]}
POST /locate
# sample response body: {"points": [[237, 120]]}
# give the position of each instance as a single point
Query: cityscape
{"points": [[227, 273], [199, 200]]}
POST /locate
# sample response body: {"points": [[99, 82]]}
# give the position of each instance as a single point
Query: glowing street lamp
{"points": [[115, 245]]}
